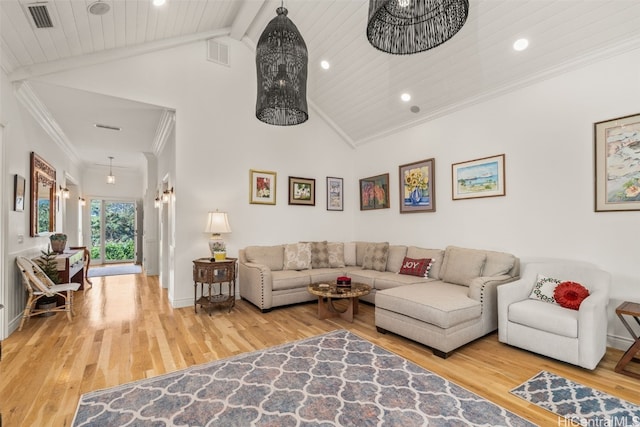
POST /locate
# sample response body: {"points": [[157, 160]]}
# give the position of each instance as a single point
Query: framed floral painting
{"points": [[617, 164], [262, 187], [302, 191], [478, 178], [374, 192], [417, 187], [335, 195]]}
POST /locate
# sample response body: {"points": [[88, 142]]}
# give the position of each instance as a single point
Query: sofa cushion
{"points": [[290, 279], [336, 254], [461, 265], [368, 277], [319, 254], [416, 267], [435, 254], [396, 257], [271, 256], [297, 256], [361, 248], [498, 263], [438, 303], [543, 288], [544, 317], [375, 256], [392, 280], [350, 253]]}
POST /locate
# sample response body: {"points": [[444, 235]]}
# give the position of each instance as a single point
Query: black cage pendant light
{"points": [[411, 26], [281, 63]]}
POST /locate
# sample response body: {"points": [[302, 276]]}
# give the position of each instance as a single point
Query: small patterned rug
{"points": [[334, 379], [581, 405]]}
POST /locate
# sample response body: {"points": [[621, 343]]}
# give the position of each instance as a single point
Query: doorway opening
{"points": [[113, 231]]}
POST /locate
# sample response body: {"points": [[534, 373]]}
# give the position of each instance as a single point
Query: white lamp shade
{"points": [[217, 223]]}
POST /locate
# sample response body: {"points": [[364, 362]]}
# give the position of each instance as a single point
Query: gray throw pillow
{"points": [[375, 256]]}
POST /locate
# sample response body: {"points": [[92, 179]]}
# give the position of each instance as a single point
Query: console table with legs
{"points": [[208, 273]]}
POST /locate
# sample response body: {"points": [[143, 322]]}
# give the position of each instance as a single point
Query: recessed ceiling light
{"points": [[325, 64], [158, 2], [405, 97], [521, 44]]}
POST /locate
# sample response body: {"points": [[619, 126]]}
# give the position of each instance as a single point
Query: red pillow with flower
{"points": [[570, 294], [416, 267]]}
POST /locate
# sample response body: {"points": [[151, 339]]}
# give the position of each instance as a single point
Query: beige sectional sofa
{"points": [[453, 305]]}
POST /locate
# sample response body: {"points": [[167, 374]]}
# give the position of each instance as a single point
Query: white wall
{"points": [[546, 134], [21, 136], [218, 140]]}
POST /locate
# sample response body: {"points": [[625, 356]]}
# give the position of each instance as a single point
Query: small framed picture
{"points": [[374, 192], [478, 178], [335, 197], [302, 191], [262, 187], [617, 168], [18, 193], [417, 187]]}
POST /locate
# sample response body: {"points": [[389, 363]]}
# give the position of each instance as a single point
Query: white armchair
{"points": [[578, 337]]}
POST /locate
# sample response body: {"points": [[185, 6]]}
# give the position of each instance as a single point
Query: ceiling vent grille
{"points": [[218, 52], [40, 15]]}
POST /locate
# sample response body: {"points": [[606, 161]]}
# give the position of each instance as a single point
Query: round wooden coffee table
{"points": [[326, 309]]}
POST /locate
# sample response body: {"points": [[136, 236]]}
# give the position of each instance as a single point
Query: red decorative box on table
{"points": [[343, 282]]}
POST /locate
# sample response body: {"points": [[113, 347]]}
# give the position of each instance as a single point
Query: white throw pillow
{"points": [[336, 254], [543, 288], [350, 253], [297, 256]]}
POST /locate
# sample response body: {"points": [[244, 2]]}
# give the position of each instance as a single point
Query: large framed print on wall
{"points": [[617, 164]]}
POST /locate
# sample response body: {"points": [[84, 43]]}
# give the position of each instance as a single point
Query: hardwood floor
{"points": [[125, 330]]}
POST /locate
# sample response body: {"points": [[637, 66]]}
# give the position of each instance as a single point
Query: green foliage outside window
{"points": [[119, 231]]}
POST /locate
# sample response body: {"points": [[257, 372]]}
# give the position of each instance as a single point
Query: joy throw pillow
{"points": [[416, 267]]}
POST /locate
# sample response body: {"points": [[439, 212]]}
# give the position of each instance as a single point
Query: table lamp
{"points": [[217, 223]]}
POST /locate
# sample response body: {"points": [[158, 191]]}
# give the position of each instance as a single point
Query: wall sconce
{"points": [[166, 195], [64, 192], [82, 201]]}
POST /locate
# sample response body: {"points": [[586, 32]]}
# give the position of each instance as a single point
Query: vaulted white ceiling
{"points": [[360, 94]]}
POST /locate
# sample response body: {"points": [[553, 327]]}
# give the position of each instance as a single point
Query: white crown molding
{"points": [[43, 117], [96, 58], [165, 126]]}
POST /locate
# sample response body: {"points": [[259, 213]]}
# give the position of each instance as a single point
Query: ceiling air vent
{"points": [[40, 15], [218, 52]]}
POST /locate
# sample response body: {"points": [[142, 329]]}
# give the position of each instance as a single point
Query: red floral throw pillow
{"points": [[416, 267], [570, 294]]}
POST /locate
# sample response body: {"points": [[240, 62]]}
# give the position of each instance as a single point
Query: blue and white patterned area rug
{"points": [[581, 405], [335, 379]]}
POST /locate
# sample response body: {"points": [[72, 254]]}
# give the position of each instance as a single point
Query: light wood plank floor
{"points": [[125, 330]]}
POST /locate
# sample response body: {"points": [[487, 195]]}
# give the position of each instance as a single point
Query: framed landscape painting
{"points": [[262, 187], [417, 187], [302, 191], [335, 195], [478, 178], [617, 164], [374, 192]]}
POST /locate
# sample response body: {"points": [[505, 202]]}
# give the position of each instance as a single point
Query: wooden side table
{"points": [[630, 309], [209, 272]]}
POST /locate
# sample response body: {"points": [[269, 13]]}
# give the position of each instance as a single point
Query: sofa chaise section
{"points": [[456, 308]]}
